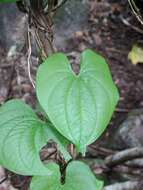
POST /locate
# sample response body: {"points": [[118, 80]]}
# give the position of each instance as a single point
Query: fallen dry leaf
{"points": [[6, 184], [136, 55]]}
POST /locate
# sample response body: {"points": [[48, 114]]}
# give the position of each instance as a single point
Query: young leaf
{"points": [[21, 137], [80, 107], [78, 177]]}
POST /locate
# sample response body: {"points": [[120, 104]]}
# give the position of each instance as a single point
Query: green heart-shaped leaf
{"points": [[78, 177], [79, 106], [21, 138], [22, 135]]}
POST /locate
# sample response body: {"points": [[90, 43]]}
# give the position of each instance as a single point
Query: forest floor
{"points": [[112, 31]]}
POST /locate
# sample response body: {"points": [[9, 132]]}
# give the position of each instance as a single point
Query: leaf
{"points": [[79, 106], [136, 55], [52, 134], [22, 135], [78, 177], [21, 138]]}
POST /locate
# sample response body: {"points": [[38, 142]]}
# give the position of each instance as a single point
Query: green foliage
{"points": [[52, 134], [8, 1], [79, 106], [78, 177], [22, 135]]}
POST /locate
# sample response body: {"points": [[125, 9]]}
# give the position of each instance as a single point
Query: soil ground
{"points": [[106, 33]]}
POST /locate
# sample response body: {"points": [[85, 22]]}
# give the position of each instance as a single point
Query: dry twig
{"points": [[135, 11], [127, 23], [123, 156], [29, 57], [129, 185]]}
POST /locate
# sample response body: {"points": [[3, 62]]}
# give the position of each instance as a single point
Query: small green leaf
{"points": [[78, 177], [80, 107], [21, 137]]}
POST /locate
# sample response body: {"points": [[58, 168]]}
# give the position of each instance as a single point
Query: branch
{"points": [[129, 185], [135, 10], [124, 156]]}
